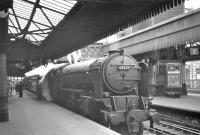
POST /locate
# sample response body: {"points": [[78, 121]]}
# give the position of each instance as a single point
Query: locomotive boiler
{"points": [[104, 89]]}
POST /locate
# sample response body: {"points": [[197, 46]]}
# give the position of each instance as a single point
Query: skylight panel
{"points": [[22, 13], [33, 1], [39, 17], [30, 37], [47, 31], [22, 22], [39, 37], [71, 2], [63, 4], [22, 2], [12, 21], [52, 14], [32, 27], [13, 30], [48, 14], [44, 35], [42, 26], [22, 9], [54, 17], [58, 5]]}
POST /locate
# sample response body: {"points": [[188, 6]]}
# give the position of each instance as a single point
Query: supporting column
{"points": [[4, 115]]}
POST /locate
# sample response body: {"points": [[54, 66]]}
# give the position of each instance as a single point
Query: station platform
{"points": [[28, 116], [188, 103]]}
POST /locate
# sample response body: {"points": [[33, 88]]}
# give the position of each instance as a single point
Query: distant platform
{"points": [[28, 116], [193, 91], [191, 102]]}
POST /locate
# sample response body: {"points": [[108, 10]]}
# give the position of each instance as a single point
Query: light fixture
{"points": [[3, 14]]}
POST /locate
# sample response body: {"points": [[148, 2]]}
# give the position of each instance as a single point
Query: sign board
{"points": [[173, 74], [194, 51], [173, 68], [173, 80]]}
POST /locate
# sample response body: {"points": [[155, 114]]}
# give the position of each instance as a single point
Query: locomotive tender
{"points": [[104, 89]]}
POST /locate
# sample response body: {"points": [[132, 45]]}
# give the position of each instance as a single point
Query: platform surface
{"points": [[28, 116], [191, 102]]}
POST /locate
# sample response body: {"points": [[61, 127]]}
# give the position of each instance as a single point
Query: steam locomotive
{"points": [[105, 89]]}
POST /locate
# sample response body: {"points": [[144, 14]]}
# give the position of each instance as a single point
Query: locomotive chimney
{"points": [[118, 51]]}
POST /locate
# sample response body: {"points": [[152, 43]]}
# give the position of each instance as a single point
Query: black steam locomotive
{"points": [[106, 90]]}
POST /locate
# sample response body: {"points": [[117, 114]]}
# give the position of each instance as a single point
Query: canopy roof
{"points": [[48, 29]]}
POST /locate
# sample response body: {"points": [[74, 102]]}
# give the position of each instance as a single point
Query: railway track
{"points": [[191, 117], [187, 123], [169, 128]]}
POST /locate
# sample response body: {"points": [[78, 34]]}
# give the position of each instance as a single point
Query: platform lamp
{"points": [[4, 6]]}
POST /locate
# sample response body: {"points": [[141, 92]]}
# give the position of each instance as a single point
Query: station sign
{"points": [[173, 68]]}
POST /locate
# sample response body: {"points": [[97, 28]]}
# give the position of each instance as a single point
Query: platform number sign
{"points": [[194, 51]]}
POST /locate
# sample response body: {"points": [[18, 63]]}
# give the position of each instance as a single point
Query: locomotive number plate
{"points": [[123, 68]]}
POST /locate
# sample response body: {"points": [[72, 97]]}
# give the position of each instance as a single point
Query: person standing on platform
{"points": [[17, 88], [20, 89]]}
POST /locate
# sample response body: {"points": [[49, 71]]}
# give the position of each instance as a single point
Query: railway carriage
{"points": [[31, 83]]}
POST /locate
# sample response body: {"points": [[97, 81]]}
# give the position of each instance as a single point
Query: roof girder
{"points": [[25, 30]]}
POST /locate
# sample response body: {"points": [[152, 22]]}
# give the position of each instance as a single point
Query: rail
{"points": [[169, 128]]}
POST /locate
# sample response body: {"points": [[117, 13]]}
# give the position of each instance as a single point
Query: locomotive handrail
{"points": [[71, 90], [84, 70], [126, 96], [91, 98], [113, 112], [128, 79], [93, 68], [132, 66]]}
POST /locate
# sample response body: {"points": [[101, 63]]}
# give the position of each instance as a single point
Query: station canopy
{"points": [[40, 30], [33, 20]]}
